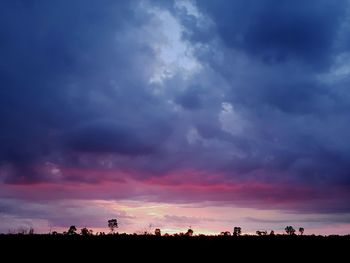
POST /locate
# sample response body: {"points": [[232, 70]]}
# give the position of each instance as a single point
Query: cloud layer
{"points": [[179, 102]]}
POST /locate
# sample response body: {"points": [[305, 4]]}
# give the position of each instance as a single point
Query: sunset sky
{"points": [[175, 114]]}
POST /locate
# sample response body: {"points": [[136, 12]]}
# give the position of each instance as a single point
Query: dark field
{"points": [[196, 246]]}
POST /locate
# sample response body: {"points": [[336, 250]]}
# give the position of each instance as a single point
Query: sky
{"points": [[175, 114]]}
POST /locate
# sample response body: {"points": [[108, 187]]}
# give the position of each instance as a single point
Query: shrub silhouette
{"points": [[86, 232], [72, 230], [301, 230], [237, 231], [157, 232], [261, 233], [189, 232]]}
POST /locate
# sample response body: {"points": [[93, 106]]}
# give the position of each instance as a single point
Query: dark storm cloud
{"points": [[276, 56], [276, 31], [65, 64], [252, 91], [109, 137]]}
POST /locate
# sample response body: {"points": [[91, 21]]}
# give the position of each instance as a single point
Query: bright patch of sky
{"points": [[174, 54]]}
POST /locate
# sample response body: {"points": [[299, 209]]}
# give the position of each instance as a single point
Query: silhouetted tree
{"points": [[301, 230], [189, 232], [290, 230], [237, 231], [86, 232], [272, 233], [261, 233], [225, 233], [112, 224], [72, 230], [31, 231], [157, 232]]}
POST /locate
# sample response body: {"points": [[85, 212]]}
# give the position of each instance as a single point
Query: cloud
{"points": [[276, 31], [334, 220], [113, 137], [214, 101]]}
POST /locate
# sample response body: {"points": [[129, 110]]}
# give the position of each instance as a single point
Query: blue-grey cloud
{"points": [[250, 91], [122, 138], [276, 31]]}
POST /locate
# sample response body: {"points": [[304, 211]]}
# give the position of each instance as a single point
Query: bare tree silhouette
{"points": [[290, 230], [112, 224]]}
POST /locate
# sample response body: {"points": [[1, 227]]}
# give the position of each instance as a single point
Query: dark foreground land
{"points": [[138, 246]]}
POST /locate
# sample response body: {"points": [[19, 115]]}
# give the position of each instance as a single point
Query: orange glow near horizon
{"points": [[204, 218], [173, 203]]}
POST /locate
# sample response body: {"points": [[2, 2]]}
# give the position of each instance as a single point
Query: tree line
{"points": [[113, 225]]}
